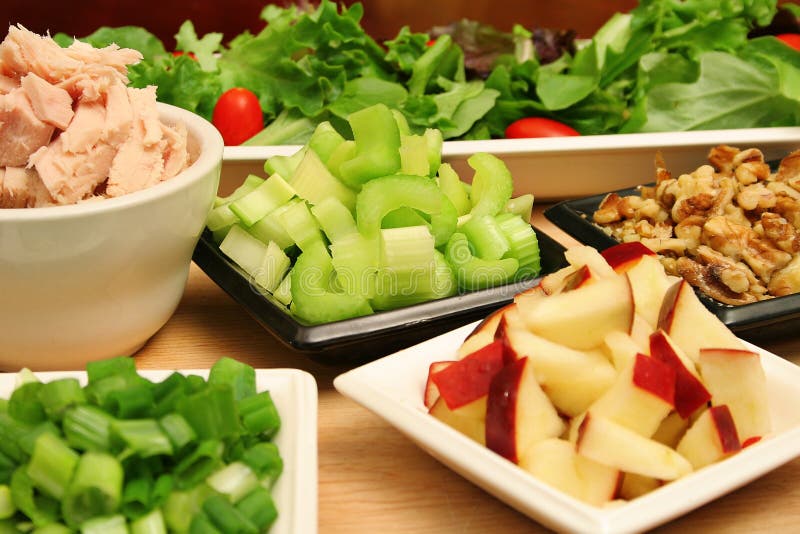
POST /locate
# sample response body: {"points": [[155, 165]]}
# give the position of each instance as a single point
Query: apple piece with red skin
{"points": [[711, 438], [612, 444], [649, 283], [736, 378], [518, 412], [556, 282], [590, 258], [623, 256], [690, 393], [690, 324], [671, 430], [573, 379], [581, 318], [468, 379], [431, 391], [469, 419], [642, 396], [483, 333], [621, 349]]}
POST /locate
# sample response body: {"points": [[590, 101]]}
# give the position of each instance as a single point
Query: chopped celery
{"points": [[312, 299], [401, 217], [521, 205], [283, 293], [355, 260], [402, 122], [414, 155], [301, 225], [250, 182], [314, 182], [492, 184], [434, 141], [221, 217], [486, 237], [52, 464], [262, 200], [452, 186], [523, 244], [269, 227], [380, 196], [476, 273], [265, 263], [406, 266], [325, 140], [377, 139], [284, 165], [344, 152], [335, 219]]}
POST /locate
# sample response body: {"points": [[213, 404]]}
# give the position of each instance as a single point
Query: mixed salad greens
{"points": [[666, 65]]}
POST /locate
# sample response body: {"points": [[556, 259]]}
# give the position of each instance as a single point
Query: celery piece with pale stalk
{"points": [[226, 517], [95, 489], [250, 182], [197, 465], [301, 225], [485, 237], [262, 200], [377, 139], [475, 273], [234, 481], [314, 182], [402, 122], [221, 216], [492, 184], [312, 298], [52, 464], [269, 227], [381, 196], [452, 186], [522, 206], [403, 217], [355, 262], [239, 376], [414, 155], [284, 165], [283, 293], [325, 140], [24, 404], [114, 524], [152, 523], [39, 508], [259, 415], [406, 266], [88, 428], [335, 219], [523, 244], [344, 152], [442, 284], [259, 508], [142, 437], [433, 137], [266, 264], [59, 395]]}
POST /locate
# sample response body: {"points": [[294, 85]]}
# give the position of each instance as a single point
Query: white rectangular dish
{"points": [[294, 393], [558, 168], [392, 388]]}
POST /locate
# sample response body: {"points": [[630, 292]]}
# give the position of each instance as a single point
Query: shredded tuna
{"points": [[21, 131], [51, 104]]}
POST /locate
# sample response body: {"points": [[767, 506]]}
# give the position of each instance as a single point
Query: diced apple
{"points": [[736, 378], [690, 393], [600, 482], [469, 419], [711, 438], [553, 462], [555, 282], [621, 349], [642, 396], [581, 318], [625, 255], [431, 391], [634, 486], [671, 430], [468, 379], [649, 283], [482, 334], [589, 257], [518, 413], [573, 379], [641, 331], [609, 443], [690, 324]]}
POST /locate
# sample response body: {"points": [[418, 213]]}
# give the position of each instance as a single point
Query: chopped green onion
{"points": [[40, 509], [7, 467], [87, 428], [11, 431], [119, 366], [109, 392], [258, 507], [59, 395], [235, 480], [134, 401], [24, 404], [200, 463], [144, 437], [239, 376], [152, 523], [167, 392], [226, 517], [265, 461], [95, 490], [52, 464], [212, 412], [7, 506], [161, 489], [178, 431], [114, 524], [259, 415], [136, 497], [201, 524], [53, 528], [181, 507], [24, 376]]}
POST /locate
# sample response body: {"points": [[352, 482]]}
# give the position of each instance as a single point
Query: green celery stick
{"points": [[485, 237], [476, 273], [301, 225], [325, 140], [262, 200], [283, 293], [452, 186], [377, 139], [355, 260], [314, 182], [414, 155], [434, 140], [402, 122], [521, 205], [492, 184], [335, 219], [284, 165], [344, 152], [250, 182], [523, 244], [269, 227]]}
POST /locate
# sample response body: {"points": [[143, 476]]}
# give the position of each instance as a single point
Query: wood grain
{"points": [[372, 479]]}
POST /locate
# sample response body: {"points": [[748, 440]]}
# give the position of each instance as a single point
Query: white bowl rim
{"points": [[210, 147]]}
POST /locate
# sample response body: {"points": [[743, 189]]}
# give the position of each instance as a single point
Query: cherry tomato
{"points": [[177, 53], [430, 42], [791, 39], [538, 127], [237, 115]]}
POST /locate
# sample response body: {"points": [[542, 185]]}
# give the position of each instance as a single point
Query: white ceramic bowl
{"points": [[98, 279]]}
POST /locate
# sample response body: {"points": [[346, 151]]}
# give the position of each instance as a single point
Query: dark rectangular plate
{"points": [[756, 322], [355, 341]]}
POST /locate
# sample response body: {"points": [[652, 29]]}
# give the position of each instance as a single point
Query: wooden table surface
{"points": [[372, 479]]}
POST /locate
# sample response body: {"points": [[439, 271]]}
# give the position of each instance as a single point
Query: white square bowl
{"points": [[393, 387], [294, 393]]}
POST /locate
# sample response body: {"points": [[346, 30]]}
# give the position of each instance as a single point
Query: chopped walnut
{"points": [[756, 196], [787, 280]]}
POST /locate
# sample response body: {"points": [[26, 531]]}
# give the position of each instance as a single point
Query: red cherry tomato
{"points": [[538, 127], [237, 115], [177, 53], [791, 39]]}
